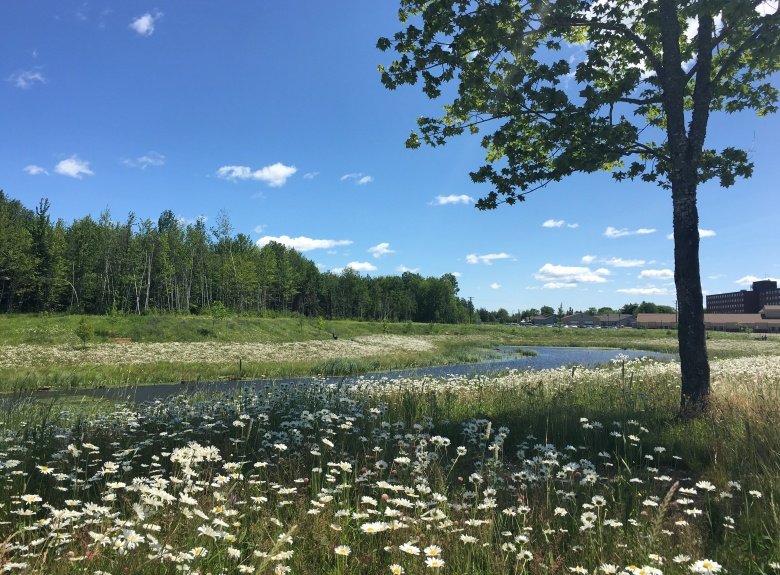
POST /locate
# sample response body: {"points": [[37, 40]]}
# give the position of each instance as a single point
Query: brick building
{"points": [[762, 293]]}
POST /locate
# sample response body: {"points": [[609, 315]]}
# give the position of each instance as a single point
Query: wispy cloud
{"points": [[259, 228], [144, 25], [34, 170], [495, 285], [302, 243], [74, 168], [185, 221], [357, 266], [275, 175], [26, 79], [664, 274], [380, 250], [563, 276], [358, 177], [486, 259], [403, 269], [611, 232], [558, 224], [152, 159], [588, 259], [748, 280], [310, 175], [621, 263], [452, 199], [650, 290]]}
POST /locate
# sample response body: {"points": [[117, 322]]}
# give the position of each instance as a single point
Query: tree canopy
{"points": [[142, 266], [555, 88]]}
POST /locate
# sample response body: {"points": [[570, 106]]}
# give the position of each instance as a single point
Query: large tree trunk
{"points": [[685, 149], [691, 335]]}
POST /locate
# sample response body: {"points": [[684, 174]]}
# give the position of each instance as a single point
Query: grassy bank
{"points": [[539, 473]]}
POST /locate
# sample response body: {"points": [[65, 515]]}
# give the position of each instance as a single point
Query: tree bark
{"points": [[691, 335], [685, 150]]}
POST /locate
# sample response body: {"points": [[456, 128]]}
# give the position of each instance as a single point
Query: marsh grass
{"points": [[550, 472], [44, 351]]}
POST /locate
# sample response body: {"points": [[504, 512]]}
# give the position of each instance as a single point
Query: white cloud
{"points": [[73, 167], [403, 269], [558, 224], [559, 285], [380, 250], [302, 243], [310, 175], [495, 285], [486, 259], [26, 79], [611, 232], [149, 159], [664, 274], [651, 290], [588, 259], [748, 280], [452, 199], [702, 234], [34, 170], [570, 274], [144, 25], [768, 7], [621, 263], [185, 221], [358, 177], [456, 274], [259, 228], [275, 175], [361, 266]]}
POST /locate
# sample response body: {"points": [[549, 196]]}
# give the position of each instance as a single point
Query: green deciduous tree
{"points": [[637, 104], [85, 331]]}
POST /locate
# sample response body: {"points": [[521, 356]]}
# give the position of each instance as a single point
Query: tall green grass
{"points": [[550, 473]]}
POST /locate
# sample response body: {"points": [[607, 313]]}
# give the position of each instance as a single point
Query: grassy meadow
{"points": [[45, 352], [552, 472]]}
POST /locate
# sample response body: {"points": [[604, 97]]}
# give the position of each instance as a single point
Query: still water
{"points": [[506, 357]]}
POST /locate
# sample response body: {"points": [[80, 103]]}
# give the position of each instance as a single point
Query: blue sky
{"points": [[274, 113]]}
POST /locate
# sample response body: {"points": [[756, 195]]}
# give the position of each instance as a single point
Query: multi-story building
{"points": [[769, 296], [763, 293]]}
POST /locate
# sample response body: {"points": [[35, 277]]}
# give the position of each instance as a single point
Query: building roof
{"points": [[746, 319], [614, 316], [771, 312], [656, 318]]}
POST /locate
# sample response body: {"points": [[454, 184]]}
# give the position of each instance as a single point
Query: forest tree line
{"points": [[141, 266]]}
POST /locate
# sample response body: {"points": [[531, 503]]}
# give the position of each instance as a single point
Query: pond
{"points": [[506, 357]]}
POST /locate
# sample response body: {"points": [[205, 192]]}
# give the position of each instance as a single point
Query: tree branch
{"points": [[641, 101], [638, 41]]}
